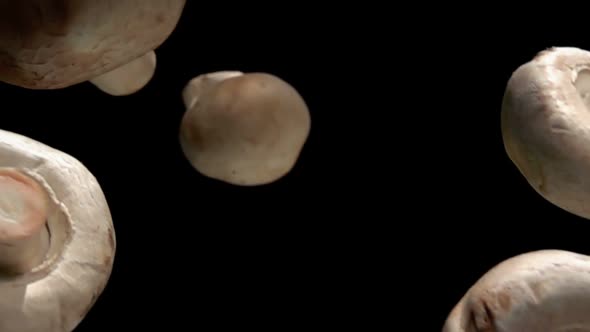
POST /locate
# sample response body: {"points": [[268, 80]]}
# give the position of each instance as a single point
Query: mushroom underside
{"points": [[57, 294], [56, 44]]}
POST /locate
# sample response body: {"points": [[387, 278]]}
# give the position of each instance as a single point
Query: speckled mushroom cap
{"points": [[546, 126], [49, 44], [540, 291], [245, 129], [56, 295]]}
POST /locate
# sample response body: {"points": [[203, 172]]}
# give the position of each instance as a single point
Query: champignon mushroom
{"points": [[243, 129], [546, 290], [56, 44], [546, 126], [129, 78], [57, 242]]}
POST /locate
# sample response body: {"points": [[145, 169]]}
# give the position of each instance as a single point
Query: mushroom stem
{"points": [[24, 239], [194, 87], [128, 78]]}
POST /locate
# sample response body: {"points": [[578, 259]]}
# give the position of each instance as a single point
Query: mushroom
{"points": [[57, 242], [56, 44], [545, 290], [243, 128], [129, 78], [545, 123]]}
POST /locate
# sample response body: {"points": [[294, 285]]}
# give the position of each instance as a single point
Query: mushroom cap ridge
{"points": [[545, 125], [545, 290], [57, 295]]}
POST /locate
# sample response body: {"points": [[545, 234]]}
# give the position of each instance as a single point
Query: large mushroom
{"points": [[46, 44], [546, 126], [57, 242], [243, 128], [546, 290]]}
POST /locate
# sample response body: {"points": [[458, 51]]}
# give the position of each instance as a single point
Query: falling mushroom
{"points": [[128, 79], [546, 126], [243, 128], [546, 290], [56, 44], [57, 242]]}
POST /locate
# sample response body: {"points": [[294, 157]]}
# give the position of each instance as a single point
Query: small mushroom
{"points": [[546, 290], [57, 242], [243, 129], [55, 44], [128, 79], [546, 126]]}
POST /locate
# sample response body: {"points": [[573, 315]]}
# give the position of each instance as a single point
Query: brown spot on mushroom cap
{"points": [[245, 130], [504, 300], [111, 239], [58, 43]]}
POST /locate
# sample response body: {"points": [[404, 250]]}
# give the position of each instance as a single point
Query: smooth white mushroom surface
{"points": [[243, 128], [57, 242], [55, 44], [541, 291], [546, 126]]}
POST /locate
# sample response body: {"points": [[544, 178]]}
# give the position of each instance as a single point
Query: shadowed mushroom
{"points": [[243, 129], [55, 44], [546, 126], [57, 242], [547, 290]]}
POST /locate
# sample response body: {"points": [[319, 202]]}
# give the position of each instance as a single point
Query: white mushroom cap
{"points": [[55, 294], [243, 129], [547, 290], [546, 126], [129, 78], [55, 44]]}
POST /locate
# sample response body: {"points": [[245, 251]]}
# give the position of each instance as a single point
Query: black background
{"points": [[193, 252], [402, 198]]}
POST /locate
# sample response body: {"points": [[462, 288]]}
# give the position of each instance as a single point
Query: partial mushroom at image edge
{"points": [[545, 125], [50, 288], [544, 290], [71, 42]]}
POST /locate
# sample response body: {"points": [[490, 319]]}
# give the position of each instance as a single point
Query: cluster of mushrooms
{"points": [[57, 240], [545, 116]]}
